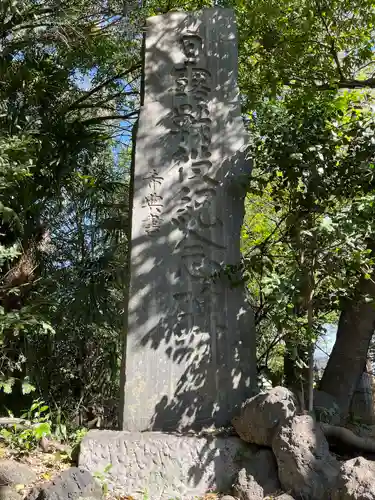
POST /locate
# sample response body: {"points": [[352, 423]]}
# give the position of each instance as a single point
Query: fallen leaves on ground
{"points": [[45, 465]]}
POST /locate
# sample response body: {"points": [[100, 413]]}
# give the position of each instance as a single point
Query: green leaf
{"points": [[7, 385], [41, 430], [326, 224], [27, 388]]}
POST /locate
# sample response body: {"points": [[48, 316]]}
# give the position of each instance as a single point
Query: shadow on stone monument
{"points": [[190, 344]]}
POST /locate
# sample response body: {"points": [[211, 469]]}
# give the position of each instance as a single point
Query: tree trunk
{"points": [[349, 355], [296, 378]]}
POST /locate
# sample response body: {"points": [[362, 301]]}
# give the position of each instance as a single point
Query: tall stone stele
{"points": [[190, 339]]}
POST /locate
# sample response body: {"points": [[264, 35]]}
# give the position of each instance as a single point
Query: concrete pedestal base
{"points": [[160, 466]]}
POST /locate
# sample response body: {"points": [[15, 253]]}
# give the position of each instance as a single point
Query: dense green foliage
{"points": [[306, 75], [314, 172], [64, 195], [69, 95]]}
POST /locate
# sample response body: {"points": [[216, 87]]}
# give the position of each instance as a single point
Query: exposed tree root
{"points": [[348, 437]]}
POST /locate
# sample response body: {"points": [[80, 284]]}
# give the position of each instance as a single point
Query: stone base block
{"points": [[160, 466]]}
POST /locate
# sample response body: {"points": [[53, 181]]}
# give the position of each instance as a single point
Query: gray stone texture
{"points": [[165, 466], [258, 478], [190, 347], [12, 472], [356, 480], [361, 406], [73, 484], [9, 493], [261, 415], [306, 467]]}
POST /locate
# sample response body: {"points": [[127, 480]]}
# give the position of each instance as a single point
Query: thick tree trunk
{"points": [[349, 355]]}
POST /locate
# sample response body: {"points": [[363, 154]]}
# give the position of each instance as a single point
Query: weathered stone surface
{"points": [[12, 473], [261, 415], [73, 484], [306, 467], [246, 488], [258, 478], [9, 493], [190, 353], [356, 480], [284, 496], [361, 405], [165, 465]]}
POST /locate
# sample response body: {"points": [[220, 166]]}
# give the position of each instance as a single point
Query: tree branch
{"points": [[100, 104], [278, 338], [32, 26], [332, 48], [349, 84], [104, 84], [98, 119], [15, 20]]}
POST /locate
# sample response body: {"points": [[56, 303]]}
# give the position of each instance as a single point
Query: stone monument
{"points": [[190, 347], [190, 340]]}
